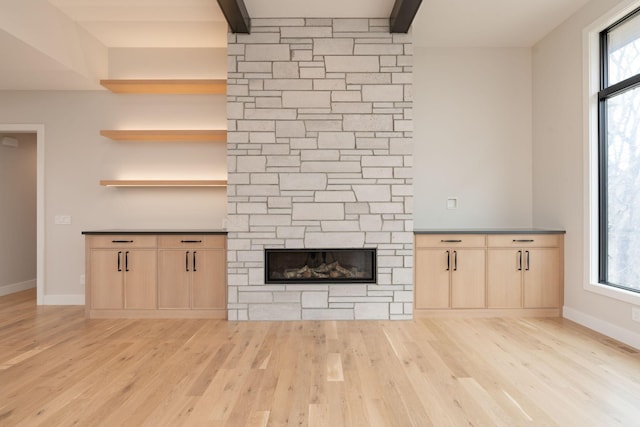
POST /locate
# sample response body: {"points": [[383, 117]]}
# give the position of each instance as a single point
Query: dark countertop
{"points": [[130, 231], [487, 231]]}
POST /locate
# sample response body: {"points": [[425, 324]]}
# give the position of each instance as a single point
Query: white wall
{"points": [[472, 137], [559, 161], [77, 158], [163, 63], [18, 214]]}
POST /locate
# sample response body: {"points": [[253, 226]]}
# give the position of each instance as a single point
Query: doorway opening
{"points": [[38, 130]]}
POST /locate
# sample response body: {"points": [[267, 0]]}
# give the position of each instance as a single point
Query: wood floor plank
{"points": [[334, 367], [544, 385], [495, 374], [258, 419], [58, 368]]}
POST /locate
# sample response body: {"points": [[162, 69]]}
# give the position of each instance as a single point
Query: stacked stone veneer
{"points": [[320, 156]]}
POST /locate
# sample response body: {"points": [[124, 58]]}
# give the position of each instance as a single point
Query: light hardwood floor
{"points": [[57, 368]]}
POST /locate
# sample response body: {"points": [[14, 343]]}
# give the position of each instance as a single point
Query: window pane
{"points": [[623, 44], [623, 189]]}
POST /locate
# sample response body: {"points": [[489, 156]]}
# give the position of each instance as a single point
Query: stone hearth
{"points": [[320, 155]]}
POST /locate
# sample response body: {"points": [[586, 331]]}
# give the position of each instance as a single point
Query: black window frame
{"points": [[605, 93]]}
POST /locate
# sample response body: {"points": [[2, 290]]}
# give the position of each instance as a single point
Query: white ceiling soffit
{"points": [[320, 8], [140, 10], [159, 34], [24, 67], [489, 23], [149, 23]]}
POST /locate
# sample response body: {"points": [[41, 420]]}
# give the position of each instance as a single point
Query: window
{"points": [[619, 154]]}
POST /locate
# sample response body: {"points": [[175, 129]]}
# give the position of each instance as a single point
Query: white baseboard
{"points": [[63, 300], [17, 287], [609, 329]]}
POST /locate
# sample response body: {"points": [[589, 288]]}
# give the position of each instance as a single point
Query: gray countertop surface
{"points": [[487, 231], [416, 231], [138, 231]]}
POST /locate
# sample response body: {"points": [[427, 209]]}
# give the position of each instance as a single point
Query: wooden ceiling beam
{"points": [[235, 12], [402, 15]]}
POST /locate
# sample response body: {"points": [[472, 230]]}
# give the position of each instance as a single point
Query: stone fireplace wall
{"points": [[320, 156]]}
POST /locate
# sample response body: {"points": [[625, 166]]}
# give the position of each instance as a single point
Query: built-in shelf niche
{"points": [[172, 87], [177, 87], [166, 135], [163, 183]]}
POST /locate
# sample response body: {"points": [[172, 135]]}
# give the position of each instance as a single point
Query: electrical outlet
{"points": [[452, 203], [635, 314], [62, 219]]}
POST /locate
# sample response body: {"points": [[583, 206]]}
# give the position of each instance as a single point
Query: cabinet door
{"points": [[106, 281], [467, 278], [432, 278], [140, 279], [504, 278], [209, 285], [542, 278], [174, 272]]}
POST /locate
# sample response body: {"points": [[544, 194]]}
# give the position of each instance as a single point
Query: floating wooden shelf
{"points": [[165, 135], [180, 87], [163, 183]]}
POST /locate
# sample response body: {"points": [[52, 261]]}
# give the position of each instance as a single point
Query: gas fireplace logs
{"points": [[323, 271]]}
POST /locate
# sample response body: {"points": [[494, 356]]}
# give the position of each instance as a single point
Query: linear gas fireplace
{"points": [[320, 265]]}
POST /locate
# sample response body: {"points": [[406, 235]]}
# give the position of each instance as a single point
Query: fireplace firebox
{"points": [[320, 266]]}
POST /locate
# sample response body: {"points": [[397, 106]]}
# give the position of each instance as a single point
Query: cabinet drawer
{"points": [[180, 241], [450, 240], [523, 240], [122, 241]]}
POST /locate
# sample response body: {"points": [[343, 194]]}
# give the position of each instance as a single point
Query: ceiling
{"points": [[63, 44]]}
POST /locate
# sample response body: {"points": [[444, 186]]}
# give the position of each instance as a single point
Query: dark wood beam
{"points": [[236, 14], [402, 15]]}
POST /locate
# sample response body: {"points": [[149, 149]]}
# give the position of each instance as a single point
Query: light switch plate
{"points": [[452, 203]]}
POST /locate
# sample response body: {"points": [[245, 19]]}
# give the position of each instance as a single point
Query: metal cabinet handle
{"points": [[119, 262], [190, 241], [523, 240], [122, 241], [126, 261], [448, 261], [519, 260], [455, 260], [194, 261], [527, 256], [451, 241], [186, 261]]}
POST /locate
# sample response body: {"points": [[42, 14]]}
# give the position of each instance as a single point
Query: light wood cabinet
{"points": [[542, 279], [489, 274], [450, 272], [524, 271], [140, 279], [194, 276], [432, 278], [107, 283], [467, 278], [156, 275], [123, 272], [505, 278]]}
